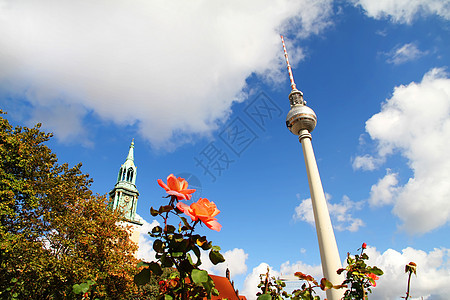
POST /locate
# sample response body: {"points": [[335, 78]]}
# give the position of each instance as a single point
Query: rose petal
{"points": [[187, 210], [183, 183], [163, 185], [179, 196], [213, 224], [188, 191], [173, 183]]}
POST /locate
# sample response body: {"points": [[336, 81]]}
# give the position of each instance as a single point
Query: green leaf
{"points": [[189, 258], [156, 229], [158, 246], [154, 212], [142, 264], [80, 288], [185, 267], [216, 257], [76, 289], [264, 297], [142, 278], [166, 262], [196, 251], [177, 254], [178, 237], [155, 268], [209, 286], [199, 276], [376, 271], [91, 282], [168, 297], [206, 246], [325, 284], [165, 208], [186, 223], [169, 229], [199, 240], [215, 248]]}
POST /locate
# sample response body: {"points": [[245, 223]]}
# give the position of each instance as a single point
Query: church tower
{"points": [[125, 195]]}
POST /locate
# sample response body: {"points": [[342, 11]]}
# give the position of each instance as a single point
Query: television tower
{"points": [[301, 120]]}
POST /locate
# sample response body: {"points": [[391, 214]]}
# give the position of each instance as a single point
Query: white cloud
{"points": [[145, 250], [383, 192], [415, 122], [252, 280], [366, 162], [340, 213], [235, 261], [288, 269], [431, 282], [304, 211], [404, 11], [65, 121], [381, 32], [405, 53], [173, 69]]}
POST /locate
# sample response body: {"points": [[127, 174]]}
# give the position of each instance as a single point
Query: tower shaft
{"points": [[329, 253]]}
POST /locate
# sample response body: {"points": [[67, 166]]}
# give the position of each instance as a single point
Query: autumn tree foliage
{"points": [[54, 233]]}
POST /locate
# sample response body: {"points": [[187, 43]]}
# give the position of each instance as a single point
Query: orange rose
{"points": [[177, 187], [202, 210]]}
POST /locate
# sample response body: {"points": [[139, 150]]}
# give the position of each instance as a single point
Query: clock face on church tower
{"points": [[125, 205]]}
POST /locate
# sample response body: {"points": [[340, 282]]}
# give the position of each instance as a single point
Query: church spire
{"points": [[125, 194], [128, 170], [131, 151]]}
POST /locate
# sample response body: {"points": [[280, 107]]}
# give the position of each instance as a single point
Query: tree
{"points": [[54, 232]]}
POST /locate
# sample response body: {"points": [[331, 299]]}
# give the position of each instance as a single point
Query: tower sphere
{"points": [[301, 117]]}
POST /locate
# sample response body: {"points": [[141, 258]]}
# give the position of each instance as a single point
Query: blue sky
{"points": [[208, 80]]}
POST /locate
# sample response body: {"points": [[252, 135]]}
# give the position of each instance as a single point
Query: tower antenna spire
{"points": [[291, 76]]}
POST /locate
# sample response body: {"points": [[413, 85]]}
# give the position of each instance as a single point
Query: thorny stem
{"points": [[409, 281], [172, 203], [172, 200], [192, 228], [266, 286]]}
